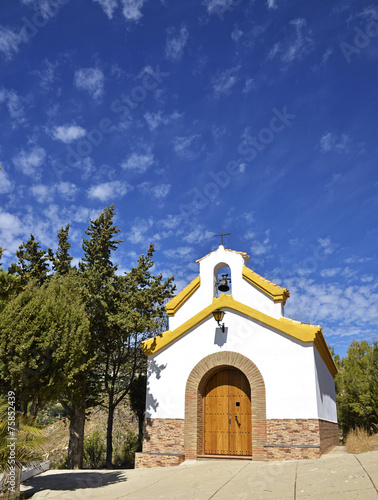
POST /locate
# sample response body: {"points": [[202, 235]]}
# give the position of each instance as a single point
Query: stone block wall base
{"points": [[281, 453], [148, 460]]}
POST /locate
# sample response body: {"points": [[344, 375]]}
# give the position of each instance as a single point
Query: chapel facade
{"points": [[254, 384]]}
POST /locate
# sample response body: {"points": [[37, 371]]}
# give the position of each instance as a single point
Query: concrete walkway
{"points": [[334, 476]]}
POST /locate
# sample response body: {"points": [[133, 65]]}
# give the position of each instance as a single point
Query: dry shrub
{"points": [[359, 441]]}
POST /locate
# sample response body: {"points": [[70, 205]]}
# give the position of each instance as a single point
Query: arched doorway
{"points": [[227, 414], [194, 398]]}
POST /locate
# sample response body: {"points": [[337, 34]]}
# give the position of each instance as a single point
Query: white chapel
{"points": [[232, 377]]}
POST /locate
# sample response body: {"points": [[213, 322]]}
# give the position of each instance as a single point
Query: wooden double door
{"points": [[227, 414]]}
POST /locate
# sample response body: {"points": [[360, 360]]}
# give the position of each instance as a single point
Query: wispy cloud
{"points": [[30, 162], [176, 42], [108, 190], [271, 4], [223, 81], [14, 105], [153, 120], [138, 162], [198, 235], [42, 193], [331, 141], [6, 185], [67, 190], [156, 190], [108, 6], [132, 9], [11, 231], [10, 41], [219, 7], [68, 133], [188, 147], [91, 80], [296, 46], [138, 231]]}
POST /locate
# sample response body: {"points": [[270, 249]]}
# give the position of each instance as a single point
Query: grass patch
{"points": [[360, 441]]}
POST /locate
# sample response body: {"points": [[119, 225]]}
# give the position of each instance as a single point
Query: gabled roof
{"points": [[295, 329], [245, 256], [275, 292], [174, 304]]}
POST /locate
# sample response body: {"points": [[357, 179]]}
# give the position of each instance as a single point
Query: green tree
{"points": [[32, 262], [353, 388], [61, 260], [140, 313], [374, 385], [45, 349]]}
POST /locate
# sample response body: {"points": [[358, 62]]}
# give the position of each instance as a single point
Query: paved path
{"points": [[336, 477]]}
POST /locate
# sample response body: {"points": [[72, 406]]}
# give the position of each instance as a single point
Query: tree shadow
{"points": [[71, 481]]}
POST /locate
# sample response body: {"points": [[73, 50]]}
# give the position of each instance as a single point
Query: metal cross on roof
{"points": [[221, 235]]}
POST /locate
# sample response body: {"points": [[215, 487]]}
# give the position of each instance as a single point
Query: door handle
{"points": [[229, 421]]}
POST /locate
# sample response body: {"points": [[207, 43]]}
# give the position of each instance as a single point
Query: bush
{"points": [[94, 450], [359, 440], [124, 454]]}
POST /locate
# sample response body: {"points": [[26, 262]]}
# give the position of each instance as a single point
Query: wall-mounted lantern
{"points": [[218, 316]]}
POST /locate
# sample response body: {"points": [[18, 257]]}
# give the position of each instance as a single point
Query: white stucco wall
{"points": [[287, 367]]}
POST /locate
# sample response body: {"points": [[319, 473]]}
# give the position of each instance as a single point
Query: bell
{"points": [[223, 286]]}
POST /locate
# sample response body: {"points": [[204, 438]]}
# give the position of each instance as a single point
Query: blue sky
{"points": [[257, 118]]}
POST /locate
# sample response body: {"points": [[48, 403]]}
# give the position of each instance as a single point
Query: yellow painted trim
{"points": [[300, 331], [275, 292], [174, 304]]}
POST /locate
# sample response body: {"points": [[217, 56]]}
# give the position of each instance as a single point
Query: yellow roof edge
{"points": [[300, 331], [275, 292], [174, 304]]}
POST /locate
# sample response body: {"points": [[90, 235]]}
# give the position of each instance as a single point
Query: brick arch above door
{"points": [[195, 385]]}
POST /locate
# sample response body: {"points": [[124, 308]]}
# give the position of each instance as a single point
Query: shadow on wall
{"points": [[220, 337], [151, 402]]}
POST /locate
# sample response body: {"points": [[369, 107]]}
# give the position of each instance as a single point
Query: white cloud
{"points": [[219, 7], [248, 85], [67, 190], [153, 120], [296, 46], [236, 33], [42, 193], [138, 162], [10, 41], [30, 162], [48, 8], [188, 147], [198, 235], [132, 9], [108, 6], [271, 4], [334, 142], [68, 133], [14, 105], [176, 42], [157, 190], [6, 186], [178, 253], [91, 80], [46, 75], [224, 81], [108, 190], [326, 246], [137, 233], [332, 303], [11, 231]]}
